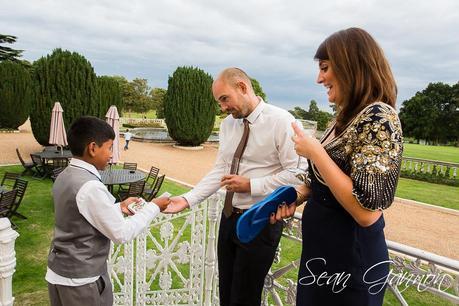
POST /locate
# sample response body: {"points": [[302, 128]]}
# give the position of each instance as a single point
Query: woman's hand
{"points": [[283, 211], [286, 211], [302, 192], [306, 145]]}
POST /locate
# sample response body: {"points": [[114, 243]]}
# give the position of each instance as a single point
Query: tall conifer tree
{"points": [[66, 77], [189, 106], [15, 94]]}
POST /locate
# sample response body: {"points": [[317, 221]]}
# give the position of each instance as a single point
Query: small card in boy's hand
{"points": [[136, 206], [165, 195]]}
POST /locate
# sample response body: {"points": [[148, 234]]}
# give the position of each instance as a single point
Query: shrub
{"points": [[189, 106], [15, 94], [109, 94], [66, 77]]}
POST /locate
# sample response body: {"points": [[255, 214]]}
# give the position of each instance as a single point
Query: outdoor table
{"points": [[111, 177], [53, 158], [54, 154]]}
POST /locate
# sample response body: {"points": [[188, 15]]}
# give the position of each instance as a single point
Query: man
{"points": [[255, 173], [127, 137]]}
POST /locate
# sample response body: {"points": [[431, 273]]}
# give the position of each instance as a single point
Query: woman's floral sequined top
{"points": [[370, 151]]}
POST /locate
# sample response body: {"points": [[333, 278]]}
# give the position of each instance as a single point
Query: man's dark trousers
{"points": [[243, 266]]}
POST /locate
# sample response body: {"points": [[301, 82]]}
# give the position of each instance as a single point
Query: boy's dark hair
{"points": [[85, 130]]}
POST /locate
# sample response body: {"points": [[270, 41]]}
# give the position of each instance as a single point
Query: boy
{"points": [[127, 137], [87, 218]]}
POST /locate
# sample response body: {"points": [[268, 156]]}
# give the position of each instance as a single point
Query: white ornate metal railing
{"points": [[409, 267], [173, 262], [176, 264], [170, 261]]}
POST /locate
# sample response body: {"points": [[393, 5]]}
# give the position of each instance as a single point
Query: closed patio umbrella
{"points": [[57, 134], [114, 120]]}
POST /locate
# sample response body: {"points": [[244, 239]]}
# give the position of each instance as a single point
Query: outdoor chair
{"points": [[6, 204], [150, 194], [152, 176], [20, 186], [59, 163], [9, 180], [127, 166], [130, 166], [27, 166], [39, 166], [56, 172], [135, 190]]}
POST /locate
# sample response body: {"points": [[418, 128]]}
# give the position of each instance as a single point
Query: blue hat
{"points": [[255, 219]]}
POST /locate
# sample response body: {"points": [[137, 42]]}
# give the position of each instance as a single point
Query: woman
{"points": [[353, 174]]}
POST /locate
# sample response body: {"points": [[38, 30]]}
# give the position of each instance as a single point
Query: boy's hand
{"points": [[162, 202], [125, 203]]}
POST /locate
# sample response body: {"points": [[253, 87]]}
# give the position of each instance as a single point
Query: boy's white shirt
{"points": [[98, 207], [127, 136]]}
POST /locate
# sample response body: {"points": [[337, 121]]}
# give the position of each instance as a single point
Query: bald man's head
{"points": [[234, 93], [232, 76]]}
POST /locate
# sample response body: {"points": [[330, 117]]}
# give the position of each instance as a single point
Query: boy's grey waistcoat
{"points": [[78, 249]]}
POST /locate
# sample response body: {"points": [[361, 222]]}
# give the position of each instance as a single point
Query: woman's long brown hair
{"points": [[362, 71]]}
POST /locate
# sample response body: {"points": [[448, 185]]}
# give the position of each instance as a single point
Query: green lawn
{"points": [[441, 153], [435, 194], [29, 286], [151, 114]]}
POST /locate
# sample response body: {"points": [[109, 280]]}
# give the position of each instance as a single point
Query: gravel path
{"points": [[422, 227]]}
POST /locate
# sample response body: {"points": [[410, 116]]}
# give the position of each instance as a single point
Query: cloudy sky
{"points": [[273, 40]]}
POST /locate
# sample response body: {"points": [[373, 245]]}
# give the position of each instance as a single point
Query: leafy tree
{"points": [[454, 121], [15, 94], [323, 119], [135, 95], [257, 89], [189, 106], [66, 77], [299, 113], [142, 101], [110, 94], [314, 114], [158, 95], [432, 114], [7, 53], [313, 110], [127, 91]]}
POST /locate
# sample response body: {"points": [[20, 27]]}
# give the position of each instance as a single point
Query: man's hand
{"points": [[177, 204], [236, 183], [125, 203], [162, 202]]}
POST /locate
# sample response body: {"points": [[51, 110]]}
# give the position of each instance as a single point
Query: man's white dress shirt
{"points": [[269, 152]]}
